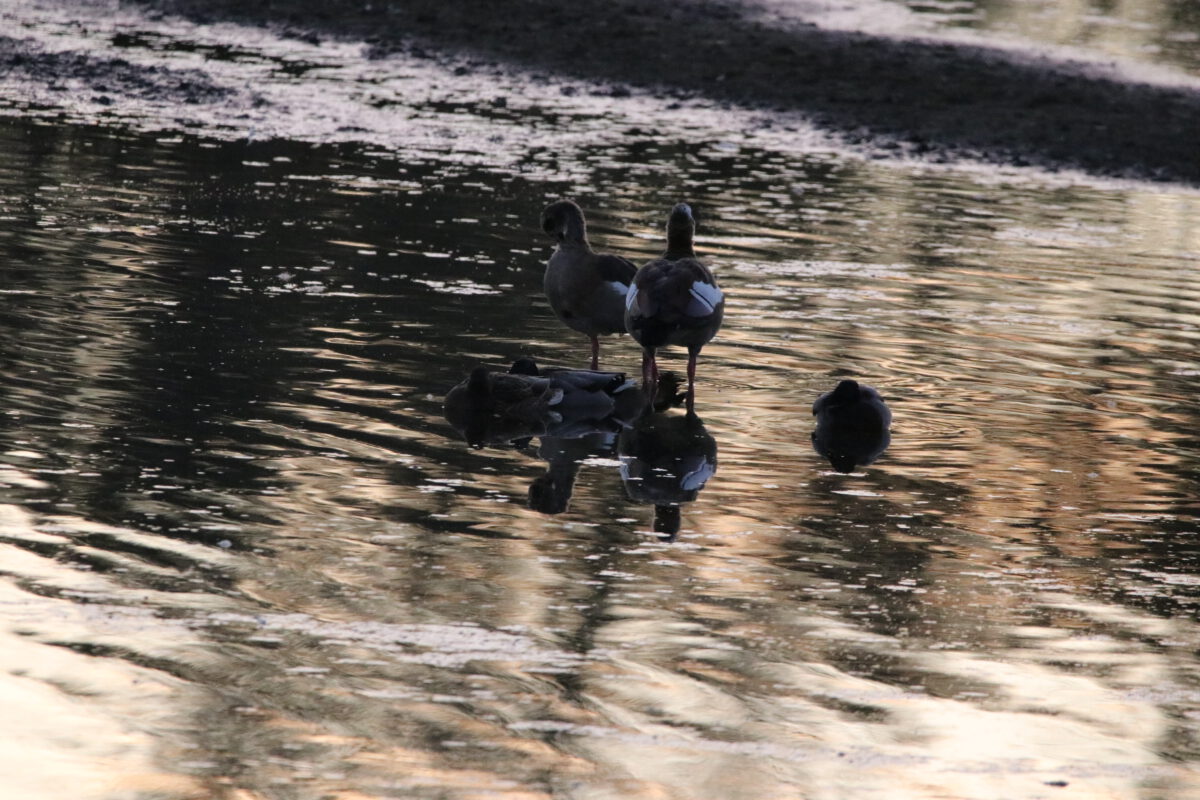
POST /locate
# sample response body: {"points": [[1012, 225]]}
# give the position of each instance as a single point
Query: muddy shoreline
{"points": [[937, 100]]}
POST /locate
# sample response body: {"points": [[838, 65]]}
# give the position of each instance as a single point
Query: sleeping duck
{"points": [[589, 395], [492, 406], [852, 425]]}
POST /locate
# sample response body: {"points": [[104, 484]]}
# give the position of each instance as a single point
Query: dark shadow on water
{"points": [[550, 492], [922, 96]]}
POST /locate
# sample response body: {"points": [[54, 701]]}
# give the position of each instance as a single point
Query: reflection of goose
{"points": [[586, 289], [674, 300], [665, 460], [573, 441], [550, 492], [852, 425], [492, 407]]}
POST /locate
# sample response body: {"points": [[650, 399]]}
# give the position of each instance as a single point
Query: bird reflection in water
{"points": [[852, 425], [666, 458], [576, 414], [550, 492]]}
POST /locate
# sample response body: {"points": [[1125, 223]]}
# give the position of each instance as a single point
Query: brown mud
{"points": [[937, 100], [107, 76]]}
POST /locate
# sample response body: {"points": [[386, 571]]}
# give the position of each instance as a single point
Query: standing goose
{"points": [[674, 300], [586, 289]]}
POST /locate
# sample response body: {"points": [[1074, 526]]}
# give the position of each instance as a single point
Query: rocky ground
{"points": [[935, 99], [951, 99]]}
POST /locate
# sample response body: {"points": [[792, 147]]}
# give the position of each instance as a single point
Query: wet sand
{"points": [[940, 101]]}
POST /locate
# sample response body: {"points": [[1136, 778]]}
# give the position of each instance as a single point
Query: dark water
{"points": [[244, 556]]}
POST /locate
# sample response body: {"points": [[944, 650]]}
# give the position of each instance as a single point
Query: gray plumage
{"points": [[586, 289], [674, 300]]}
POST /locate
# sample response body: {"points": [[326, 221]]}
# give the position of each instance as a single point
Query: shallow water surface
{"points": [[245, 556], [1161, 32]]}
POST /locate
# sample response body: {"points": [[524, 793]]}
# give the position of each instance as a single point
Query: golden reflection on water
{"points": [[245, 557], [1149, 31]]}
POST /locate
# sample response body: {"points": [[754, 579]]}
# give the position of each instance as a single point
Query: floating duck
{"points": [[852, 425]]}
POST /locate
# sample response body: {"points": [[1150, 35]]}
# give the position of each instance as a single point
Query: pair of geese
{"points": [[672, 300]]}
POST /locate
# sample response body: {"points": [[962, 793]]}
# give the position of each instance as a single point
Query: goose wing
{"points": [[675, 292]]}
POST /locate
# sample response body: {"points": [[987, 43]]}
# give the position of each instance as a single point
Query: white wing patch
{"points": [[706, 298], [617, 287], [631, 296], [626, 471], [695, 479]]}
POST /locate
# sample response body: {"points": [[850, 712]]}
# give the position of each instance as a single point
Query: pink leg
{"points": [[595, 352], [649, 375], [691, 393]]}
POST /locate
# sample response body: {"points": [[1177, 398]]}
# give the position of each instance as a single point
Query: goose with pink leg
{"points": [[586, 289], [674, 300]]}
